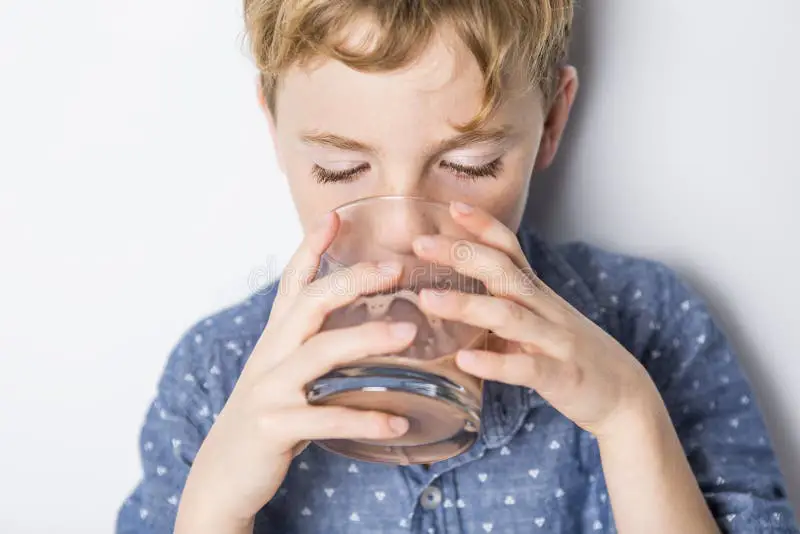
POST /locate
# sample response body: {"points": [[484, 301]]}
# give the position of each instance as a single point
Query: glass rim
{"points": [[378, 198]]}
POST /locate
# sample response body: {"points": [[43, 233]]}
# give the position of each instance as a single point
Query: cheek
{"points": [[313, 200], [508, 205], [505, 197]]}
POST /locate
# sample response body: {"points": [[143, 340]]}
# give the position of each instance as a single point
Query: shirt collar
{"points": [[505, 407]]}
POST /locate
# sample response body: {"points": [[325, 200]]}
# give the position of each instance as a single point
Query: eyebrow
{"points": [[331, 140]]}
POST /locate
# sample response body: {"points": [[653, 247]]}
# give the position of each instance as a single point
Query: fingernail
{"points": [[389, 267], [467, 357], [424, 243], [463, 209], [403, 330], [399, 425]]}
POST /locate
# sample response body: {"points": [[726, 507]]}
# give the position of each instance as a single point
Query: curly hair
{"points": [[527, 38]]}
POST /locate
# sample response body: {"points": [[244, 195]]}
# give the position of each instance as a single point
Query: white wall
{"points": [[137, 188], [684, 147]]}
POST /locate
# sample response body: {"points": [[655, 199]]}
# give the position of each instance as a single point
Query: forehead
{"points": [[443, 83]]}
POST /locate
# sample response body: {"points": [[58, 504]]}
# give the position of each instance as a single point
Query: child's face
{"points": [[392, 133]]}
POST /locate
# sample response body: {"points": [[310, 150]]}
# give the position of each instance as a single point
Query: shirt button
{"points": [[431, 498]]}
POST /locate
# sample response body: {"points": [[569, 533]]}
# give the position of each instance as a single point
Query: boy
{"points": [[614, 402]]}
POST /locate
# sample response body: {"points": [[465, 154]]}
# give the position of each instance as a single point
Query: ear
{"points": [[270, 116], [557, 116]]}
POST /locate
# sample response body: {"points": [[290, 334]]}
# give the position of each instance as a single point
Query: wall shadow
{"points": [[548, 187]]}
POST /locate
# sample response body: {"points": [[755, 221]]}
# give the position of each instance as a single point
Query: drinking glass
{"points": [[421, 383]]}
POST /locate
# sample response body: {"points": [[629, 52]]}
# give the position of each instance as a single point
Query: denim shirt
{"points": [[532, 470]]}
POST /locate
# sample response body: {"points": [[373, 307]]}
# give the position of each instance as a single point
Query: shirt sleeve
{"points": [[714, 412], [175, 425]]}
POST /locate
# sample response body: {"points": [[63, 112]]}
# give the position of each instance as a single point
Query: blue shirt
{"points": [[532, 470]]}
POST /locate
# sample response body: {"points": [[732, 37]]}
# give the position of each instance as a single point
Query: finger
{"points": [[489, 231], [331, 349], [304, 263], [504, 317], [492, 267], [536, 371], [307, 313], [336, 422]]}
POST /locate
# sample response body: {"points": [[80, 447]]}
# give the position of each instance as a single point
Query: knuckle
{"points": [[263, 394], [567, 343], [266, 423], [534, 367], [507, 367], [560, 316], [513, 311], [573, 375], [463, 306]]}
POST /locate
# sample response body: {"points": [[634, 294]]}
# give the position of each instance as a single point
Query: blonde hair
{"points": [[508, 38]]}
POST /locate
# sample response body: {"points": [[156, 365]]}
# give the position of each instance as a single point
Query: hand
{"points": [[544, 343], [267, 421]]}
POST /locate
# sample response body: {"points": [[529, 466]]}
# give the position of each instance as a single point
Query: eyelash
{"points": [[325, 176], [466, 172], [462, 172]]}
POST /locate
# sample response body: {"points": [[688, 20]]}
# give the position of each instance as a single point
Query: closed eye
{"points": [[470, 172], [327, 176]]}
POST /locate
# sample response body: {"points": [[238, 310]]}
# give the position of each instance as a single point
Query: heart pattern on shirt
{"points": [[209, 377]]}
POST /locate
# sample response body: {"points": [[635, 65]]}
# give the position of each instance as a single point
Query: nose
{"points": [[399, 222]]}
